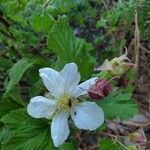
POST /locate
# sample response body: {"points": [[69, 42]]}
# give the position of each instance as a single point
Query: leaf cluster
{"points": [[36, 34], [28, 44]]}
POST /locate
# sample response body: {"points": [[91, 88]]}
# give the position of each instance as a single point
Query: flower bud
{"points": [[121, 69], [100, 89], [117, 66]]}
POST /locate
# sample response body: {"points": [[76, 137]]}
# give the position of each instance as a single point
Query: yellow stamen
{"points": [[66, 102]]}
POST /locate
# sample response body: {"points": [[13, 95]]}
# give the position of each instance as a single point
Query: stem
{"points": [[136, 40], [121, 144]]}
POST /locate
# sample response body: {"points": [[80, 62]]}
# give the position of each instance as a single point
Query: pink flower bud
{"points": [[100, 89]]}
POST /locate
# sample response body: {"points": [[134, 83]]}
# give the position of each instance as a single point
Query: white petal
{"points": [[41, 107], [71, 76], [60, 128], [82, 88], [88, 116], [53, 81], [105, 66]]}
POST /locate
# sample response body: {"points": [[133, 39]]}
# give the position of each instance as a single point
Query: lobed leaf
{"points": [[119, 105], [29, 133], [69, 48]]}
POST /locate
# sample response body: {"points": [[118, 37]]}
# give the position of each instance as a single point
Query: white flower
{"points": [[64, 87]]}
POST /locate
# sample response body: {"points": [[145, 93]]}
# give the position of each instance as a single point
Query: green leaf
{"points": [[119, 105], [101, 23], [30, 133], [43, 22], [5, 134], [69, 146], [70, 48], [13, 92], [17, 71], [36, 88], [11, 100], [108, 144]]}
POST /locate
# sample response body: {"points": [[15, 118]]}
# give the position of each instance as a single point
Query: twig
{"points": [[144, 49], [136, 40], [105, 5], [46, 3], [149, 102], [128, 123], [125, 147], [111, 135]]}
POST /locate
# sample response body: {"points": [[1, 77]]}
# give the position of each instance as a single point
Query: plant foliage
{"points": [[50, 33], [119, 105]]}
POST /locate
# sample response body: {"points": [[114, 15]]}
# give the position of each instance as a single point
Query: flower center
{"points": [[67, 102]]}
